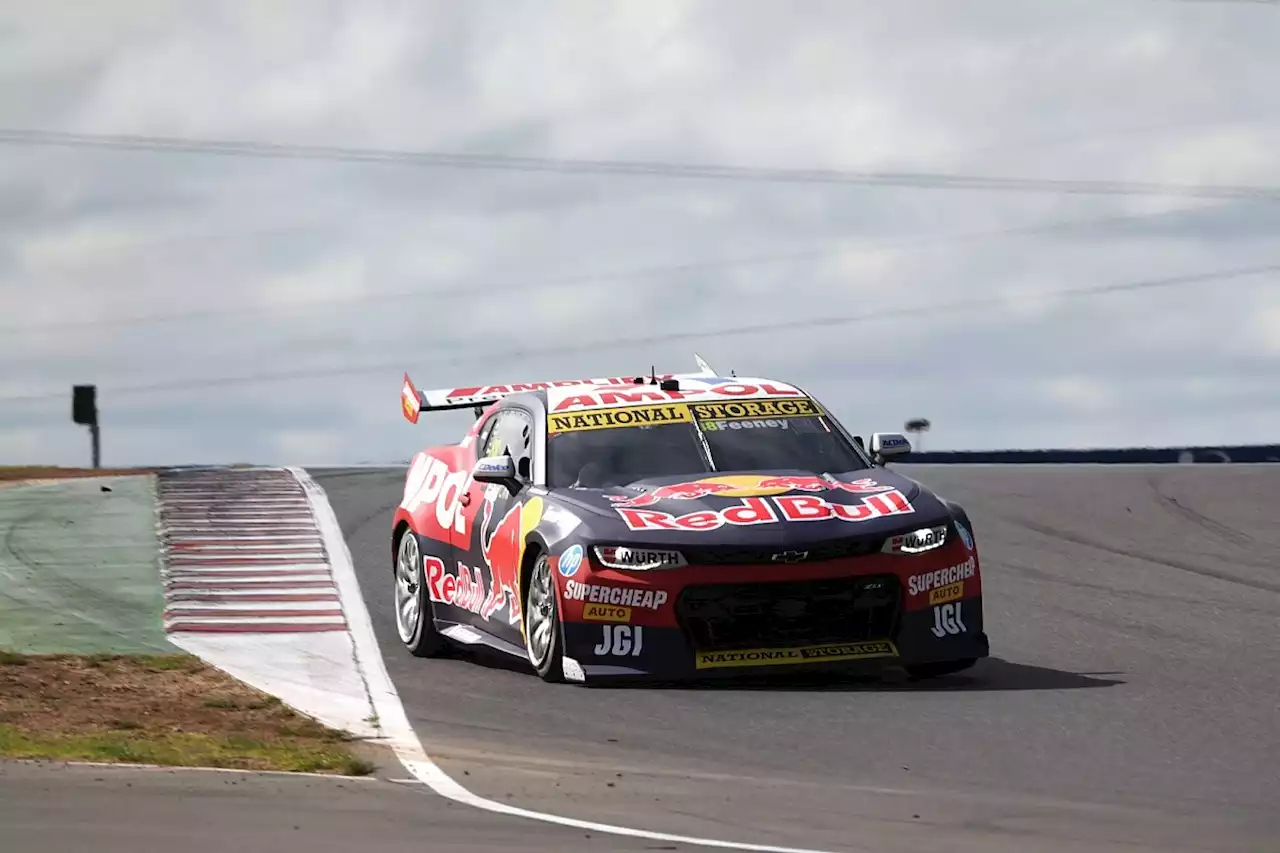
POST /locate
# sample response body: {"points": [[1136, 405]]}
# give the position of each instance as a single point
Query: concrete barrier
{"points": [[1115, 456]]}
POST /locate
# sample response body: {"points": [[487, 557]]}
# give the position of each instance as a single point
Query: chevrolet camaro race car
{"points": [[674, 527]]}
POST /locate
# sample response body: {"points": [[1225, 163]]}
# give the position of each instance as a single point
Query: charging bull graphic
{"points": [[503, 549], [739, 486]]}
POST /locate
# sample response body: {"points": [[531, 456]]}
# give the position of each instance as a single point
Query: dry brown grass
{"points": [[171, 709]]}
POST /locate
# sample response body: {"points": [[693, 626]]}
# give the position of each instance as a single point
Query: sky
{"points": [[264, 309]]}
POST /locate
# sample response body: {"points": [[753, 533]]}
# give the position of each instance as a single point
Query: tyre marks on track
{"points": [[243, 555]]}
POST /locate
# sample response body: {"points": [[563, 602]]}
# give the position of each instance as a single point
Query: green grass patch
{"points": [[183, 749]]}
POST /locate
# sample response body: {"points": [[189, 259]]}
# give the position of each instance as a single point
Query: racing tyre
{"points": [[544, 634], [924, 671], [414, 621]]}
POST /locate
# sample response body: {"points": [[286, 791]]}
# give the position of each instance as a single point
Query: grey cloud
{"points": [[1148, 91]]}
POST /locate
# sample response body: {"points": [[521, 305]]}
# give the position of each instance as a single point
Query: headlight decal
{"points": [[917, 541], [637, 559]]}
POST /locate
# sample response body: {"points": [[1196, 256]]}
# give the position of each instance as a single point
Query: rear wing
{"points": [[479, 397]]}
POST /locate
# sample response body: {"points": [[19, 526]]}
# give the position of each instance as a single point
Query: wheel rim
{"points": [[540, 612], [408, 583]]}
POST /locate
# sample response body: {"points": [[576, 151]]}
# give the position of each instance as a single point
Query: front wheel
{"points": [[544, 635], [414, 622]]}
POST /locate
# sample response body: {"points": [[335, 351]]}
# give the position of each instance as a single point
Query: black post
{"points": [[84, 410]]}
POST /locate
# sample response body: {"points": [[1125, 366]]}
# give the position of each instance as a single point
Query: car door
{"points": [[491, 546]]}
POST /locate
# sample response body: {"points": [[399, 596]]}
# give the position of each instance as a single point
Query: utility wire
{"points": [[669, 337], [468, 290], [918, 180]]}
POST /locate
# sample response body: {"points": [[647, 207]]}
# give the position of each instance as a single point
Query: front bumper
{"points": [[862, 615]]}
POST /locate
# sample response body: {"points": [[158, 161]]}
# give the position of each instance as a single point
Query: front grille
{"points": [[790, 613], [746, 556]]}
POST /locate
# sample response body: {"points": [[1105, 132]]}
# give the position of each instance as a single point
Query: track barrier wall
{"points": [[1247, 453]]}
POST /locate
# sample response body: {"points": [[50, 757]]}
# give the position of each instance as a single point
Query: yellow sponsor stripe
{"points": [[606, 613], [950, 592], [798, 655], [623, 416], [750, 409]]}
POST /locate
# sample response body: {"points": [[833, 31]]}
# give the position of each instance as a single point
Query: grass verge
{"points": [[158, 709], [19, 473]]}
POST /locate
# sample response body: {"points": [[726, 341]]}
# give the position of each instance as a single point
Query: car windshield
{"points": [[617, 456]]}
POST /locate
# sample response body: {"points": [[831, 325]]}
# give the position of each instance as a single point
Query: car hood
{"points": [[874, 502]]}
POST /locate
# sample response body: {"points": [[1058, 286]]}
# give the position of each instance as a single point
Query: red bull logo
{"points": [[760, 510], [502, 547], [503, 551], [746, 486], [675, 491]]}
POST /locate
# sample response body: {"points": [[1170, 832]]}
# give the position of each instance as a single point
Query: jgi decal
{"points": [[947, 620], [920, 584], [632, 596], [752, 511], [620, 641]]}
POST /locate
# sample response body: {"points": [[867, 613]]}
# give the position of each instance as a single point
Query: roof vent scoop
{"points": [[669, 385]]}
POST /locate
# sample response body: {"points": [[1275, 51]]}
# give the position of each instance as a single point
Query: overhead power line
{"points": [[666, 337], [432, 159], [533, 283]]}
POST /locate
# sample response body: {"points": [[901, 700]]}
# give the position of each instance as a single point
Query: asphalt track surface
{"points": [[57, 808], [1131, 702]]}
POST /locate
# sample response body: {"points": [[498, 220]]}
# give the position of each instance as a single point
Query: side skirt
{"points": [[469, 635]]}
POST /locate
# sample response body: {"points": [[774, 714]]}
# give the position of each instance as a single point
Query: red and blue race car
{"points": [[674, 527]]}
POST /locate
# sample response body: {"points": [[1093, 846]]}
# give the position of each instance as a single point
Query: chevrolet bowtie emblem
{"points": [[790, 556]]}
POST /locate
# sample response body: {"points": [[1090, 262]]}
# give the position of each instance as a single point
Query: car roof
{"points": [[705, 389]]}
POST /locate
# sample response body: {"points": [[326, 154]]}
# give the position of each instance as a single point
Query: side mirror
{"points": [[496, 469], [885, 445]]}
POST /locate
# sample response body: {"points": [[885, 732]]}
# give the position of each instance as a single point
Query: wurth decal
{"points": [[751, 511]]}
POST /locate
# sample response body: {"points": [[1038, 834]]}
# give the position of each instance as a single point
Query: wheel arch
{"points": [[534, 547], [397, 533]]}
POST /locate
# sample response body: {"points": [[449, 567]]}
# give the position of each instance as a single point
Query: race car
{"points": [[676, 527]]}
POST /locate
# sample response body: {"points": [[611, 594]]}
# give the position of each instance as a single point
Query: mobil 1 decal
{"points": [[500, 552]]}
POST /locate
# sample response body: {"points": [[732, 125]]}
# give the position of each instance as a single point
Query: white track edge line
{"points": [[183, 768], [394, 722]]}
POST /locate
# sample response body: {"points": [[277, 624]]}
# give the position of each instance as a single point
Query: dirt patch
{"points": [[172, 709], [23, 473]]}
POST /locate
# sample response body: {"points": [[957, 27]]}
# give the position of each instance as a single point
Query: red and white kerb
{"points": [[243, 555]]}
